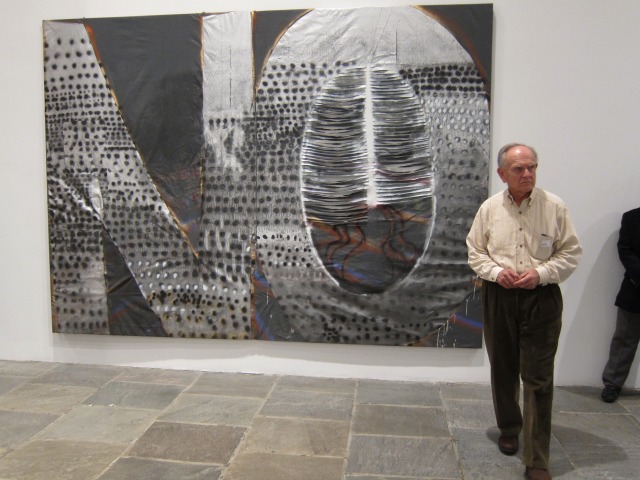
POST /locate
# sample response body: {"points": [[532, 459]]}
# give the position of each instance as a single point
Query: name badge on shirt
{"points": [[544, 247]]}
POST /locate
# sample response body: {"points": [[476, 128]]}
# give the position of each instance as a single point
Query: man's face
{"points": [[519, 172]]}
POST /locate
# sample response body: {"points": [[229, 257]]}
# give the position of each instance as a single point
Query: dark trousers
{"points": [[623, 348], [521, 331]]}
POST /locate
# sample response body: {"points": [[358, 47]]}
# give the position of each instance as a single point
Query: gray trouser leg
{"points": [[623, 348]]}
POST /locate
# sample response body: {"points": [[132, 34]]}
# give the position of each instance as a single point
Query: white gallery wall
{"points": [[565, 79]]}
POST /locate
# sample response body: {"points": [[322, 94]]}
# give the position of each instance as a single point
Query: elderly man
{"points": [[522, 244]]}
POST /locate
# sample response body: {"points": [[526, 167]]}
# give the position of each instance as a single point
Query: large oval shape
{"points": [[367, 179]]}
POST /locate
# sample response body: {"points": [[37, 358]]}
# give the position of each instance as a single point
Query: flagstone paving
{"points": [[84, 422]]}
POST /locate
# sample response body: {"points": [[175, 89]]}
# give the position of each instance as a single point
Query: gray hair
{"points": [[503, 152]]}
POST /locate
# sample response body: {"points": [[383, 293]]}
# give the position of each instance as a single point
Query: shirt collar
{"points": [[527, 202]]}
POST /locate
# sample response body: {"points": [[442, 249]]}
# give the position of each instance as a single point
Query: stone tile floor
{"points": [[64, 421]]}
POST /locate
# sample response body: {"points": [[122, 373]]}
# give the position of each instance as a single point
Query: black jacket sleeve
{"points": [[629, 245]]}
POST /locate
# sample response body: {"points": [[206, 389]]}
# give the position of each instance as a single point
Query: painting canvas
{"points": [[294, 175]]}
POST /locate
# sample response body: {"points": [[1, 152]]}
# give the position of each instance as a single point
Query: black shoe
{"points": [[508, 444], [610, 393], [532, 473]]}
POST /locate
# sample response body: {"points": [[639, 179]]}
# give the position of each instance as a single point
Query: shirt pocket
{"points": [[542, 246], [502, 245]]}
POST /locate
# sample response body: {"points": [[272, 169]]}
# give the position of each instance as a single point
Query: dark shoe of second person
{"points": [[610, 393], [508, 444]]}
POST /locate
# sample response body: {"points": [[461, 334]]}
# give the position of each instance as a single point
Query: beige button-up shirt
{"points": [[538, 234]]}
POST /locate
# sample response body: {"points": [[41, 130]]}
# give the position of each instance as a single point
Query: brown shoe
{"points": [[533, 473], [508, 444]]}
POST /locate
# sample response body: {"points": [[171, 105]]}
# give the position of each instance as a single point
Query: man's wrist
{"points": [[495, 271], [543, 273]]}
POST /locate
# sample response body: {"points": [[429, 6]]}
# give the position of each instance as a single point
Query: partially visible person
{"points": [[627, 334], [522, 244]]}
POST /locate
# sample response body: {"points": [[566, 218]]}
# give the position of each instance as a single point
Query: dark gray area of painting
{"points": [[472, 25], [129, 312], [153, 65], [268, 25]]}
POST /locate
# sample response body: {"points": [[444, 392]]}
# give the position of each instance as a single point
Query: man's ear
{"points": [[501, 173]]}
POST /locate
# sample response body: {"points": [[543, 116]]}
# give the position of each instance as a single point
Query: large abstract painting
{"points": [[304, 175]]}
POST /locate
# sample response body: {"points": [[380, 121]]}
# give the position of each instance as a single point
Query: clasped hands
{"points": [[510, 279]]}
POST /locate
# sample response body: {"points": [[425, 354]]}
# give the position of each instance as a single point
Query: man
{"points": [[522, 244], [627, 334]]}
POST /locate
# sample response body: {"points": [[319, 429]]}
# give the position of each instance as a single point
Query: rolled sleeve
{"points": [[477, 247]]}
